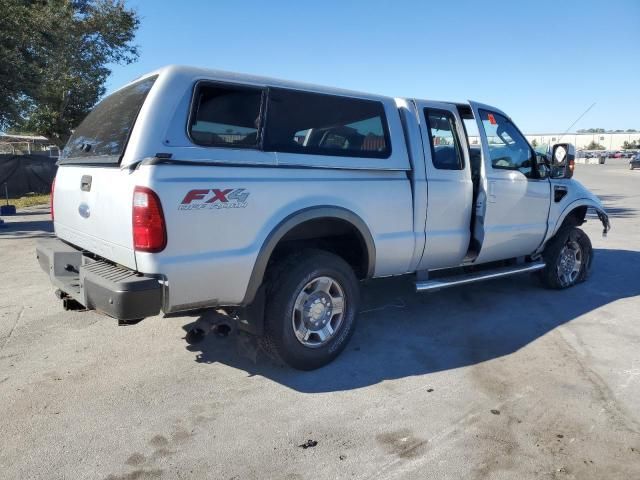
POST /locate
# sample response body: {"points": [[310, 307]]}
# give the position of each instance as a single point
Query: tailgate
{"points": [[92, 210], [93, 196]]}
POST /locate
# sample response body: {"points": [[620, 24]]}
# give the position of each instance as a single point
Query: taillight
{"points": [[53, 187], [149, 230]]}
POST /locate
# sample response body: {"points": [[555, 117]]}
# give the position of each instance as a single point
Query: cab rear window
{"points": [[102, 136]]}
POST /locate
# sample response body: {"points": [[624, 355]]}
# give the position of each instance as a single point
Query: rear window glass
{"points": [[226, 116], [104, 133], [303, 122], [445, 147]]}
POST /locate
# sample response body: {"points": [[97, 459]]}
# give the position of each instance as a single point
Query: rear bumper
{"points": [[98, 285]]}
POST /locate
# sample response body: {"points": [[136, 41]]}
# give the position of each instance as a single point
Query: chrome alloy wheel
{"points": [[569, 263], [318, 312]]}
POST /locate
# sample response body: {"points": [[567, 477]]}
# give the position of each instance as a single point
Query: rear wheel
{"points": [[311, 308], [568, 258]]}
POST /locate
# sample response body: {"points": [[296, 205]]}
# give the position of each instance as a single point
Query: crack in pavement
{"points": [[15, 324]]}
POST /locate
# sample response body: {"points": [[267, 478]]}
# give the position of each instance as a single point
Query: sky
{"points": [[542, 62]]}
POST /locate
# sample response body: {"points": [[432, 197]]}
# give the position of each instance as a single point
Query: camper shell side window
{"points": [[323, 124], [225, 115], [237, 123]]}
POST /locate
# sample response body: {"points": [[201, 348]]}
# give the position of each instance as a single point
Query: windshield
{"points": [[103, 135]]}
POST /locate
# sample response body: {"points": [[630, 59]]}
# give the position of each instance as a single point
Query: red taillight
{"points": [[53, 187], [149, 231]]}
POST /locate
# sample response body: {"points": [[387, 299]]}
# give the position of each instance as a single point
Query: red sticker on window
{"points": [[492, 119]]}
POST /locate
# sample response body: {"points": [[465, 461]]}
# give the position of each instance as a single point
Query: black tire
{"points": [[286, 280], [572, 237]]}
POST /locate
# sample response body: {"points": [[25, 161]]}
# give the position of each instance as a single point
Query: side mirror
{"points": [[563, 157], [543, 165]]}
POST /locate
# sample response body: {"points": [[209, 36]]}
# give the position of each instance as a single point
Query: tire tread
{"points": [[279, 278], [552, 251]]}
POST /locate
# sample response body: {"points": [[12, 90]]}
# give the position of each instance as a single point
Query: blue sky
{"points": [[544, 63]]}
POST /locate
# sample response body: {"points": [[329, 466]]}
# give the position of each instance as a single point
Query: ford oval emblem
{"points": [[84, 210]]}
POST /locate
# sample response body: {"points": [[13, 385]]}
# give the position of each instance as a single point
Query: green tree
{"points": [[23, 46], [594, 146], [63, 49]]}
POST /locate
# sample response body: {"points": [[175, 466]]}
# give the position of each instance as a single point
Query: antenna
{"points": [[577, 120]]}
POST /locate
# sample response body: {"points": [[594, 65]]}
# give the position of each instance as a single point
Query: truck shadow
{"points": [[401, 333]]}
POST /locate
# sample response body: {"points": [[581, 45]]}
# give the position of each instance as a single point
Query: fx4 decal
{"points": [[214, 198]]}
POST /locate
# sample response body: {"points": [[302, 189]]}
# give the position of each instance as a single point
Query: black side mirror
{"points": [[544, 167], [563, 157]]}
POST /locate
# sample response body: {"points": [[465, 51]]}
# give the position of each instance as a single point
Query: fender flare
{"points": [[295, 219], [582, 202]]}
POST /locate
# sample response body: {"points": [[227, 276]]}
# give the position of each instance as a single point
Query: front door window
{"points": [[508, 148]]}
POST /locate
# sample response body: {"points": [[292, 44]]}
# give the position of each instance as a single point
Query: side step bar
{"points": [[445, 282]]}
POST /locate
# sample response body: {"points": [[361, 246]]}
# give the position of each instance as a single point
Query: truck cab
{"points": [[194, 188]]}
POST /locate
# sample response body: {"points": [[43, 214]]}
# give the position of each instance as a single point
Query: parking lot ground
{"points": [[497, 380]]}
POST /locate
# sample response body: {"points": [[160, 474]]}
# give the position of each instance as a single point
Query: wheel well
{"points": [[334, 235], [576, 217]]}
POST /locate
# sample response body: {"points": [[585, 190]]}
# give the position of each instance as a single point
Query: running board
{"points": [[445, 282]]}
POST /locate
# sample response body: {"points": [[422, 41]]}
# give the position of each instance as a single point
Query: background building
{"points": [[26, 144], [610, 141]]}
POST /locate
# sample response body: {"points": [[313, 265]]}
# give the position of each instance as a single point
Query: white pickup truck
{"points": [[193, 188]]}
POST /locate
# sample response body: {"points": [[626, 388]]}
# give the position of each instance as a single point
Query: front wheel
{"points": [[568, 258], [311, 308]]}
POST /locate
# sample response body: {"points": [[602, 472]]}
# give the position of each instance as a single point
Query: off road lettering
{"points": [[214, 198]]}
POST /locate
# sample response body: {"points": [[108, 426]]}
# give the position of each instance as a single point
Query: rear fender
{"points": [[251, 312], [295, 219]]}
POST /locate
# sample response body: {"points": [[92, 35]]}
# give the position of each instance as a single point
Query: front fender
{"points": [[593, 203], [568, 195]]}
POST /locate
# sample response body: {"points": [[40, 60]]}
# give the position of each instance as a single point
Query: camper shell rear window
{"points": [[102, 136]]}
